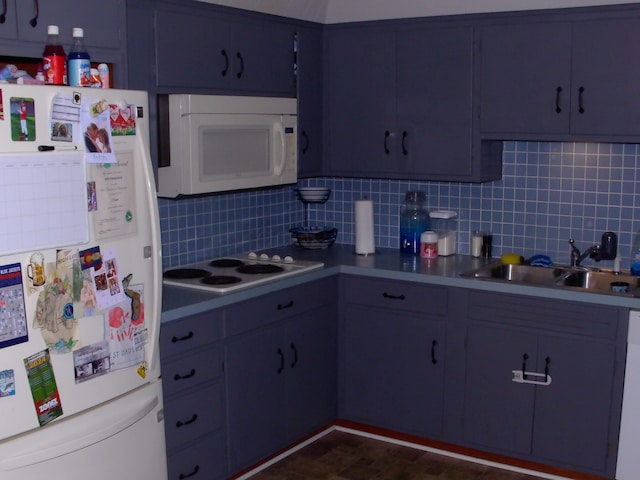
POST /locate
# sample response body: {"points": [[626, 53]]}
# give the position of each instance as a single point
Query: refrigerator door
{"points": [[118, 214], [121, 439]]}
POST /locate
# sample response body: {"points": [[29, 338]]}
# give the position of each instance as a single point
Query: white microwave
{"points": [[220, 143]]}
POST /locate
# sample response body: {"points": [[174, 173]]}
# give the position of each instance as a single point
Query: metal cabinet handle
{"points": [[393, 297], [387, 134], [281, 368], [547, 361], [193, 472], [580, 100], [404, 146], [241, 71], [295, 355], [188, 336], [36, 12], [558, 92], [193, 418], [177, 376], [225, 70], [306, 142], [525, 357], [286, 305], [434, 344], [3, 15]]}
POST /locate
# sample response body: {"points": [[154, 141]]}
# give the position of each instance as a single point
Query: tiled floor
{"points": [[345, 456]]}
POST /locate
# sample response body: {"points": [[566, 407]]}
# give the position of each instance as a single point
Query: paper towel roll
{"points": [[365, 243]]}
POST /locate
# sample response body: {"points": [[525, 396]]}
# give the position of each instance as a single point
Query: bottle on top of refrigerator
{"points": [[54, 59], [79, 61], [635, 254]]}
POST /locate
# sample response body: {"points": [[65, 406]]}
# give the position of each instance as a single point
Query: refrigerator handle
{"points": [[155, 250], [40, 453]]}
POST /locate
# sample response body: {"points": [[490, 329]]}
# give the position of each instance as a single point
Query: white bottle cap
{"points": [[77, 32], [53, 30]]}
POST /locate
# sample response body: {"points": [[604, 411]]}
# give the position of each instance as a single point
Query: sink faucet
{"points": [[607, 249]]}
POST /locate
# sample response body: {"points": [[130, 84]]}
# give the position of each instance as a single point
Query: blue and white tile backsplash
{"points": [[549, 192]]}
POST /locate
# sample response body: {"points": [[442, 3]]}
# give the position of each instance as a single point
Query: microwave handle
{"points": [[279, 132]]}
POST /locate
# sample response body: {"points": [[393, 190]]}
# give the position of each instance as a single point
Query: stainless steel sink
{"points": [[582, 278]]}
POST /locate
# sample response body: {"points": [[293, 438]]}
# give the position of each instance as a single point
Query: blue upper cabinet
{"points": [[200, 47], [400, 103], [565, 77]]}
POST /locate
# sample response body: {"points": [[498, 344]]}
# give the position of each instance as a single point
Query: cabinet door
{"points": [[256, 369], [607, 69], [310, 343], [190, 50], [393, 369], [9, 28], [103, 22], [525, 78], [572, 414], [498, 411], [361, 87], [435, 101], [309, 102], [262, 58]]}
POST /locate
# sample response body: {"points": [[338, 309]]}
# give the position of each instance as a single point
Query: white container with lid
{"points": [[445, 224], [429, 244]]}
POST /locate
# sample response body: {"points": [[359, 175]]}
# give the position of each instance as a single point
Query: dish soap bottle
{"points": [[414, 219], [635, 254]]}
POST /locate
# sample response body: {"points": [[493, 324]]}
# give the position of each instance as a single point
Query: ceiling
{"points": [[337, 11]]}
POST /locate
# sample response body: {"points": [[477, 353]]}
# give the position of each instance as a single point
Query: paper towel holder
{"points": [[364, 228]]}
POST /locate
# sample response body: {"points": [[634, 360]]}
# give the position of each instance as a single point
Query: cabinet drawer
{"points": [[278, 305], [186, 372], [397, 295], [191, 416], [189, 333], [204, 460], [544, 314]]}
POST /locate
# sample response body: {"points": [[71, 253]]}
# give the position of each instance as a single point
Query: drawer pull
{"points": [[3, 16], [580, 100], [182, 339], [558, 107], [195, 471], [525, 357], [177, 376], [286, 305], [387, 134], [393, 297], [180, 423], [241, 70]]}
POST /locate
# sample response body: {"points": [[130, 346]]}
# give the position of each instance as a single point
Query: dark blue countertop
{"points": [[389, 264]]}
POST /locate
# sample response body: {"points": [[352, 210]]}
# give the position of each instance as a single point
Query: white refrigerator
{"points": [[80, 287]]}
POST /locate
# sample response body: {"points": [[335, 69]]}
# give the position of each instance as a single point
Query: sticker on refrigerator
{"points": [[7, 383], [127, 336], [23, 122], [91, 361], [13, 320], [123, 120], [95, 123], [43, 386]]}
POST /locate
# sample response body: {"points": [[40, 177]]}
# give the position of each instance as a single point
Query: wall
{"points": [[337, 11], [549, 193]]}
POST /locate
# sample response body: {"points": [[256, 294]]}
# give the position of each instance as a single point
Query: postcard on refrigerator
{"points": [[44, 389], [13, 320]]}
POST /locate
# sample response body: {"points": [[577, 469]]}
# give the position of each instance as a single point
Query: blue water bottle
{"points": [[78, 61]]}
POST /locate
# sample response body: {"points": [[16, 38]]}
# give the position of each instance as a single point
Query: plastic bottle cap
{"points": [[429, 237], [77, 32], [53, 30]]}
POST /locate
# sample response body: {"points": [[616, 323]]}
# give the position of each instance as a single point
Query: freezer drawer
{"points": [[96, 444]]}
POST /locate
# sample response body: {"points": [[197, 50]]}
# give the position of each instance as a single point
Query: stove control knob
{"points": [[252, 255], [264, 256], [276, 258], [288, 259]]}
